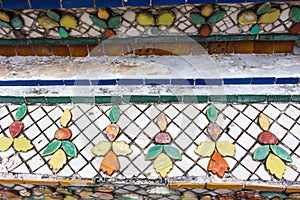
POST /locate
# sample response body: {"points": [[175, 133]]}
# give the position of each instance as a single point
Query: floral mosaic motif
{"points": [[15, 129], [206, 18], [295, 17], [162, 152], [12, 21], [264, 14], [53, 20], [60, 147], [106, 21], [215, 150], [274, 154], [111, 150]]}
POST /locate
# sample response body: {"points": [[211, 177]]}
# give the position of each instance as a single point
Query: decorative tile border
{"points": [[150, 99], [143, 82]]}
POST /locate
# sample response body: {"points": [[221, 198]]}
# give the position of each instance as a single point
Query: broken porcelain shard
{"points": [[162, 122], [63, 134], [218, 165], [163, 138], [110, 163], [267, 138], [213, 130], [112, 131], [15, 128]]}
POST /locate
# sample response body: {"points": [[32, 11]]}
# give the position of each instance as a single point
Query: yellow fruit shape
{"points": [[22, 144], [68, 197], [121, 148], [4, 17], [103, 14], [275, 165], [247, 18], [165, 19], [207, 10], [269, 17], [57, 160], [68, 21], [263, 122], [225, 148], [162, 122], [101, 148], [163, 164], [145, 19], [205, 149], [5, 143], [47, 23], [65, 118], [85, 193]]}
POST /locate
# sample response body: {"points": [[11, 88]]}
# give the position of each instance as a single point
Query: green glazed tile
{"points": [[196, 18], [51, 147], [114, 22], [53, 15], [173, 152], [195, 99], [273, 194], [216, 17], [168, 99], [36, 99], [99, 22], [153, 152], [279, 98], [223, 98], [296, 98], [21, 112], [63, 32], [140, 99], [261, 152], [83, 99], [295, 14], [108, 99], [255, 29], [17, 23], [114, 114], [212, 113], [69, 148], [56, 100], [251, 98], [281, 153], [264, 8], [12, 99]]}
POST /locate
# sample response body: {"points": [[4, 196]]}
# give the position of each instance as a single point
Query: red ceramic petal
{"points": [[218, 165], [205, 30], [15, 128], [63, 134], [295, 29], [267, 138]]}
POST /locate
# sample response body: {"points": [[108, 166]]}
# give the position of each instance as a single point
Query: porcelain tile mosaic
{"points": [[225, 19]]}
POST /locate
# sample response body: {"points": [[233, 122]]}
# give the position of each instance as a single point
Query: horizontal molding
{"points": [[150, 99], [141, 82], [156, 39]]}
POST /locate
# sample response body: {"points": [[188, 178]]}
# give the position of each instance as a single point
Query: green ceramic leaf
{"points": [[99, 22], [154, 152], [197, 18], [261, 152], [273, 194], [264, 8], [114, 21], [69, 148], [53, 15], [295, 14], [5, 24], [114, 114], [216, 17], [16, 22], [212, 113], [281, 153], [173, 152], [255, 29], [21, 112], [63, 32], [51, 148]]}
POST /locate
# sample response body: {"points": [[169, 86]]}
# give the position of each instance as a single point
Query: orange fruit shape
{"points": [[218, 165], [110, 163], [15, 128], [112, 131], [63, 134]]}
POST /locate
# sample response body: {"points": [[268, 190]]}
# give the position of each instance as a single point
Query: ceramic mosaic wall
{"points": [[203, 20]]}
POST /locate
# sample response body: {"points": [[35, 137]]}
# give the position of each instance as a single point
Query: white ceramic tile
{"points": [[286, 121]]}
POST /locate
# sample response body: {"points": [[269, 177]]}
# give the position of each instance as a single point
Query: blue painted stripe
{"points": [[209, 81], [182, 81], [130, 81], [157, 81], [287, 81], [50, 82], [77, 3], [77, 82], [237, 81], [104, 82], [42, 4], [15, 4], [263, 80], [19, 83]]}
